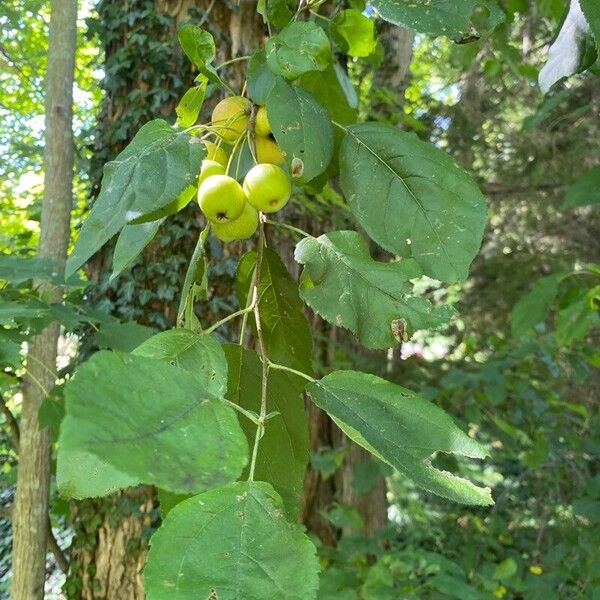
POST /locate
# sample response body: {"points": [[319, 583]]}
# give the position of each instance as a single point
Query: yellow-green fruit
{"points": [[240, 229], [267, 187], [261, 125], [267, 151], [230, 117], [216, 153], [221, 198], [210, 167]]}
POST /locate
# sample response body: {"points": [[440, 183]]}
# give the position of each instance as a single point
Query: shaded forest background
{"points": [[531, 395]]}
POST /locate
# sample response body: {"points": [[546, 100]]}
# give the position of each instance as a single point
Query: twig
{"points": [[59, 555], [263, 351]]}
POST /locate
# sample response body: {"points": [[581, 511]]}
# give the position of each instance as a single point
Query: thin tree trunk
{"points": [[30, 520]]}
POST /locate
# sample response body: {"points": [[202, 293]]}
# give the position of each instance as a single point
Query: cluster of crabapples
{"points": [[233, 209]]}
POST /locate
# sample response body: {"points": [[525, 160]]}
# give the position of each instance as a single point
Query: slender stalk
{"points": [[316, 14], [252, 147], [262, 350], [231, 61], [233, 151], [251, 298], [189, 276], [290, 370], [241, 410], [228, 318]]}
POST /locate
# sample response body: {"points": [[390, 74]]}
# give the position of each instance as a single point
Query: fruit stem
{"points": [[251, 133], [233, 151], [263, 351], [290, 227]]}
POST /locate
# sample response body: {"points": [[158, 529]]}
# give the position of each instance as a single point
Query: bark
{"points": [[30, 517], [108, 554]]}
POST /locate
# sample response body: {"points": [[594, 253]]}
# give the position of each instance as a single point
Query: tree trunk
{"points": [[30, 520]]}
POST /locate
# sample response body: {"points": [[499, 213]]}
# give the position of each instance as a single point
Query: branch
{"points": [[59, 555]]}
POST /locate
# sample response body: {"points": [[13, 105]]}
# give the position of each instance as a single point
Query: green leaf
{"points": [[300, 47], [150, 173], [302, 128], [328, 460], [412, 199], [130, 243], [591, 11], [283, 450], [533, 308], [81, 474], [280, 12], [344, 517], [347, 85], [152, 422], [10, 350], [199, 47], [189, 106], [52, 411], [332, 92], [327, 90], [182, 200], [122, 336], [575, 320], [18, 269], [451, 18], [260, 78], [505, 570], [572, 51], [354, 33], [10, 312], [343, 284], [231, 543], [168, 500], [285, 329], [401, 429], [199, 354], [586, 190]]}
